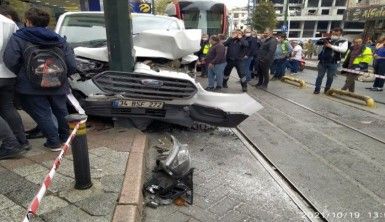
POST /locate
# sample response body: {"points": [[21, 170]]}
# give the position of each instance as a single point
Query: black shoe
{"points": [[376, 89], [258, 85], [11, 153], [316, 92], [225, 85], [53, 148], [244, 88], [326, 91], [369, 88], [26, 146], [34, 133], [211, 89]]}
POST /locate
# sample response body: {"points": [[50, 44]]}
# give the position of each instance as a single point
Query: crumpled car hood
{"points": [[173, 44]]}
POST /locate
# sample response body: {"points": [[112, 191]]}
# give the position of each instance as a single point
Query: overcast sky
{"points": [[235, 3]]}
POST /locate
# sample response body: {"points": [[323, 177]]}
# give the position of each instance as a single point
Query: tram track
{"points": [[305, 205], [327, 117]]}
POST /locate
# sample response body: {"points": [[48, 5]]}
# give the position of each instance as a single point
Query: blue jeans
{"points": [[323, 68], [273, 67], [280, 67], [246, 67], [293, 65], [40, 108], [216, 75]]}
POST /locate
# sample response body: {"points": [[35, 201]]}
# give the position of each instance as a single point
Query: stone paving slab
{"points": [[21, 178]]}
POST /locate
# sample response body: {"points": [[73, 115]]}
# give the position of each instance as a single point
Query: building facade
{"points": [[312, 18], [239, 18], [370, 11]]}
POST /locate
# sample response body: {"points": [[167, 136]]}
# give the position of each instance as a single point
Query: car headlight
{"points": [[178, 162], [86, 65]]}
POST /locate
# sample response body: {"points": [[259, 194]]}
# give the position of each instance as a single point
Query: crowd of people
{"points": [[256, 56], [35, 63], [252, 55]]}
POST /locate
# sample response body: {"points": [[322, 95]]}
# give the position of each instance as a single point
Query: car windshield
{"points": [[89, 30]]}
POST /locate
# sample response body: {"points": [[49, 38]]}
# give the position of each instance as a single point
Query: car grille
{"points": [[131, 85]]}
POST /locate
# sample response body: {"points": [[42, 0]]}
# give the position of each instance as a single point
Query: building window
{"points": [[312, 3], [312, 12], [327, 3], [294, 34], [307, 34], [335, 24], [325, 12], [236, 15], [277, 1], [309, 25], [340, 2], [295, 1], [295, 25], [354, 25], [322, 25], [340, 11]]}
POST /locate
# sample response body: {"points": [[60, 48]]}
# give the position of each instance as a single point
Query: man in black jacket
{"points": [[40, 102], [266, 57], [251, 53], [236, 51]]}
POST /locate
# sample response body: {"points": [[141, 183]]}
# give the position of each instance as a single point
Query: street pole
{"points": [[153, 6], [119, 35]]}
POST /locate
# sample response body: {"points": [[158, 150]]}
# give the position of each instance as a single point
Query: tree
{"points": [[160, 6], [264, 16]]}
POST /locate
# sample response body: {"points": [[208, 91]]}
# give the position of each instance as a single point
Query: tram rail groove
{"points": [[294, 194], [327, 117]]}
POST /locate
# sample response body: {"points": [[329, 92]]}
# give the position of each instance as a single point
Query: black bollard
{"points": [[80, 152]]}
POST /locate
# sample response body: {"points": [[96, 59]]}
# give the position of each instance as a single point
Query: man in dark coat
{"points": [[266, 57], [236, 51], [40, 103]]}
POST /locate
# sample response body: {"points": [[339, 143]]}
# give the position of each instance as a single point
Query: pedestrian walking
{"points": [[251, 52], [42, 61], [296, 58], [266, 57], [281, 54], [329, 58], [205, 47], [357, 58], [379, 65], [236, 50], [216, 61], [8, 80]]}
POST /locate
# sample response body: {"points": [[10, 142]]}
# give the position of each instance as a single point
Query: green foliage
{"points": [[160, 6], [264, 16]]}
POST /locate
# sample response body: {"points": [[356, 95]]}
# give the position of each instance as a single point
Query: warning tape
{"points": [[353, 71], [34, 206]]}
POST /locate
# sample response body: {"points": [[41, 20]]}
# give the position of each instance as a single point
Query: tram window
{"points": [[214, 21], [191, 19]]}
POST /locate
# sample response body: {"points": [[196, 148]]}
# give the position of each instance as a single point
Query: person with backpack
{"points": [[280, 56], [42, 60]]}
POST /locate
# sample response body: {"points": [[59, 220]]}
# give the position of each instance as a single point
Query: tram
{"points": [[209, 16]]}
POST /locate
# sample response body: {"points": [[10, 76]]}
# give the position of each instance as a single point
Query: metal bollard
{"points": [[80, 152]]}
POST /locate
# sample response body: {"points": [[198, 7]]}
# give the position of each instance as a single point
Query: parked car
{"points": [[146, 93]]}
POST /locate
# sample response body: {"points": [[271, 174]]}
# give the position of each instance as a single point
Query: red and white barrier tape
{"points": [[34, 206], [352, 71]]}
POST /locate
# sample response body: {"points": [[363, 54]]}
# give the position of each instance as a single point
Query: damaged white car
{"points": [[149, 92]]}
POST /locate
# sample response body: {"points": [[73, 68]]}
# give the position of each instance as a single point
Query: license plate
{"points": [[137, 104]]}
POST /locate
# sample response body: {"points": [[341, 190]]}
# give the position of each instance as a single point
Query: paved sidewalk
{"points": [[229, 183], [21, 178]]}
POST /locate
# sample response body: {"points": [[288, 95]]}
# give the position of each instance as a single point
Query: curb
{"points": [[130, 203]]}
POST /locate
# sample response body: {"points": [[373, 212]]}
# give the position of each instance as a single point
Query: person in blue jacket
{"points": [[41, 102]]}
